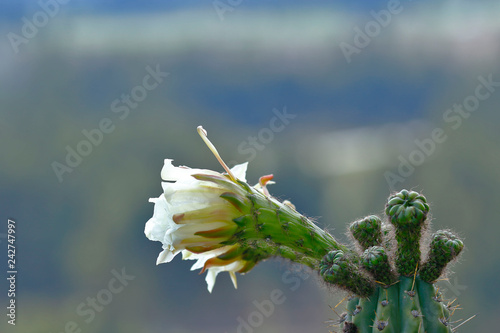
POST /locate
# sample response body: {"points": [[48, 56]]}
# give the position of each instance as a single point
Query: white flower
{"points": [[191, 217]]}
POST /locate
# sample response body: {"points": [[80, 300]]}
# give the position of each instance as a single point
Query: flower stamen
{"points": [[204, 135]]}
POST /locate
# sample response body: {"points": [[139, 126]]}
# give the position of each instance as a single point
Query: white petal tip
{"points": [[233, 278], [240, 171], [165, 256], [211, 276]]}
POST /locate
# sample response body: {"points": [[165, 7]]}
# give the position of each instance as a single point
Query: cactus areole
{"points": [[227, 225]]}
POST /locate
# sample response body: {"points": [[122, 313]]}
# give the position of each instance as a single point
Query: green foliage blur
{"points": [[354, 125]]}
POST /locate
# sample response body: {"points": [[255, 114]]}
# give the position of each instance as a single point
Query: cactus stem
{"points": [[341, 269], [445, 247], [351, 305], [407, 211]]}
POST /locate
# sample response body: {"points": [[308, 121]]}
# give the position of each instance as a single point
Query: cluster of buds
{"points": [[392, 289]]}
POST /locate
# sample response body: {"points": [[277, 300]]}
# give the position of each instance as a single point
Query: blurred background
{"points": [[344, 102]]}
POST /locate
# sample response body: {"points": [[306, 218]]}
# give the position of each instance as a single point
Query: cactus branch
{"points": [[407, 211]]}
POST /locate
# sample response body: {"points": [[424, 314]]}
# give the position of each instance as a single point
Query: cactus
{"points": [[405, 298], [227, 225]]}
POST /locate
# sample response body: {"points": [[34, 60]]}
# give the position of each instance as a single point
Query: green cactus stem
{"points": [[407, 211], [445, 247], [366, 309], [435, 313], [387, 317], [342, 270], [409, 305], [351, 307], [376, 261]]}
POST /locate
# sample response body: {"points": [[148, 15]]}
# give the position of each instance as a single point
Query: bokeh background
{"points": [[233, 66]]}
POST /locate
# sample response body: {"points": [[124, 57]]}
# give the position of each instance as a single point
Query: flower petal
{"points": [[240, 171], [166, 256], [169, 172], [203, 257], [213, 271], [233, 278], [161, 222], [210, 278]]}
